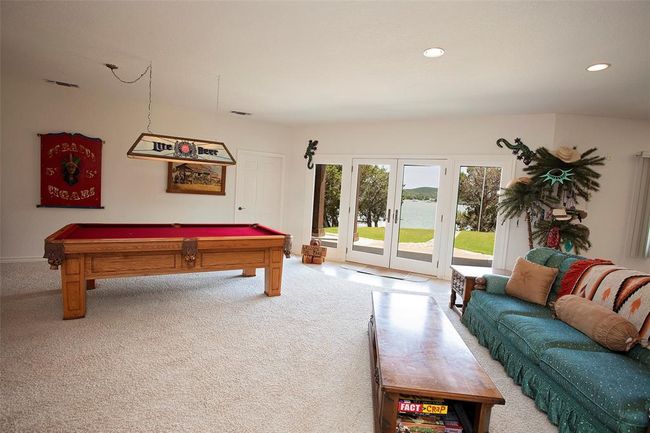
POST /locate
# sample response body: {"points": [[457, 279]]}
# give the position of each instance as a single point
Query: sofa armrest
{"points": [[492, 283]]}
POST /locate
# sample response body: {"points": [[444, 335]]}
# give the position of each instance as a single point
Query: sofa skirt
{"points": [[561, 408]]}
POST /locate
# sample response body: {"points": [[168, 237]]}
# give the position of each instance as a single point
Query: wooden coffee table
{"points": [[462, 283], [416, 352]]}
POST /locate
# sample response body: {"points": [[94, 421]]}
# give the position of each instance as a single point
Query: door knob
{"points": [[241, 208]]}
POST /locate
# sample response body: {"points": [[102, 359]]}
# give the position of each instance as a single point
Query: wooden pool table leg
{"points": [[90, 284], [273, 273], [249, 272], [73, 286]]}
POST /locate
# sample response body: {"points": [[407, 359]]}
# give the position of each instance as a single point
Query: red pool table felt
{"points": [[147, 231]]}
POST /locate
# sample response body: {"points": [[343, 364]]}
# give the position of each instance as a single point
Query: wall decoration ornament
{"points": [[568, 246], [553, 237], [310, 152], [196, 178], [519, 148], [557, 175], [559, 179], [71, 171]]}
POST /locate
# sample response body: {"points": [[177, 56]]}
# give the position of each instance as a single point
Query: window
{"points": [[327, 204], [476, 215]]}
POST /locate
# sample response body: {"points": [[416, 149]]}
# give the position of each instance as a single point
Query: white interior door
{"points": [[418, 213], [259, 186], [371, 210]]}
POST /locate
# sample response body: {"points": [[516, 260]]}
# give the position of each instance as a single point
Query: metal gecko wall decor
{"points": [[519, 148], [309, 153]]}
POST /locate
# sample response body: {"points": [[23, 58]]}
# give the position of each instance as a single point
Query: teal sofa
{"points": [[582, 386]]}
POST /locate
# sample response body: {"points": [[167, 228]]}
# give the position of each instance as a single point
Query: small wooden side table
{"points": [[462, 283]]}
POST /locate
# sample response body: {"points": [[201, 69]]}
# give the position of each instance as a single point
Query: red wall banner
{"points": [[71, 170]]}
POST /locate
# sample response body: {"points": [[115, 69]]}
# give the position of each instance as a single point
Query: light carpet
{"points": [[202, 353], [383, 272]]}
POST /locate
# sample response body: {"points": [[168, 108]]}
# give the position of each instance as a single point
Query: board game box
{"points": [[422, 406], [416, 415]]}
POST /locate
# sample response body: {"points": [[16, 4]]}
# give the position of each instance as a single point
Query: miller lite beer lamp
{"points": [[179, 149]]}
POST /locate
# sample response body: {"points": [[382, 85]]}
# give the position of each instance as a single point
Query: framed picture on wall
{"points": [[196, 178]]}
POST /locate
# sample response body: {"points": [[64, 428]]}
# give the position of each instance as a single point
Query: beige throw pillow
{"points": [[530, 281], [600, 324]]}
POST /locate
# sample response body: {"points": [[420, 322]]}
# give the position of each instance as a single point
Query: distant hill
{"points": [[421, 193]]}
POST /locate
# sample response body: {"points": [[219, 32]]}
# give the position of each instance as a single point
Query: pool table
{"points": [[87, 252]]}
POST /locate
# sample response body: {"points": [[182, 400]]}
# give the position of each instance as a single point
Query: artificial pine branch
{"points": [[584, 179], [577, 179], [525, 198]]}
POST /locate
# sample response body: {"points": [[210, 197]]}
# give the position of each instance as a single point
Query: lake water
{"points": [[418, 214]]}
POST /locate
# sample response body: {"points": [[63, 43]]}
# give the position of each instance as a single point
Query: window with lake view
{"points": [[476, 215]]}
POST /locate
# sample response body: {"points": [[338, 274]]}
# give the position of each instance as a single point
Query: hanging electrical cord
{"points": [[150, 70], [172, 148]]}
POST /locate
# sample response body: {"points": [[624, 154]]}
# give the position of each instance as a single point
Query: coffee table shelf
{"points": [[416, 352]]}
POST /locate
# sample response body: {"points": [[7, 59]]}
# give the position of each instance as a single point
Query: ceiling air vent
{"points": [[62, 83], [240, 113]]}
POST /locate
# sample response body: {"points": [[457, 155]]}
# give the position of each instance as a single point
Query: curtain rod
{"points": [[643, 155]]}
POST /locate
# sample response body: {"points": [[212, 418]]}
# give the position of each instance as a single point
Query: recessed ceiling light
{"points": [[433, 52], [598, 67]]}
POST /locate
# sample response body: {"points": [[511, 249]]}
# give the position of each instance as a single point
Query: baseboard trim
{"points": [[21, 259]]}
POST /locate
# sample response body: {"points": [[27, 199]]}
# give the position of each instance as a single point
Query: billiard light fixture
{"points": [[170, 148], [597, 67], [180, 150], [433, 52]]}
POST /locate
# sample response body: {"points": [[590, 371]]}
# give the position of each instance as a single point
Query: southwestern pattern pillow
{"points": [[624, 291]]}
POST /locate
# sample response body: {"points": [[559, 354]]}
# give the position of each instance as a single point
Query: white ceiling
{"points": [[312, 61]]}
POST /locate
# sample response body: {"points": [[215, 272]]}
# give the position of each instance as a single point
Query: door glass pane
{"points": [[417, 212], [327, 204], [370, 216], [476, 215]]}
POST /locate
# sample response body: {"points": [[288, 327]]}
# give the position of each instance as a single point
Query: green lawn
{"points": [[478, 242], [377, 233]]}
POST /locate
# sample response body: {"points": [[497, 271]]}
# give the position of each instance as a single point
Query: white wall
{"points": [[618, 140], [462, 137], [132, 190]]}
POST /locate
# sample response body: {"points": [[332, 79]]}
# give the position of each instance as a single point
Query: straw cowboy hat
{"points": [[566, 154], [523, 179]]}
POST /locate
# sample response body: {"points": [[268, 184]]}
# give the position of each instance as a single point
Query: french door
{"points": [[395, 213]]}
